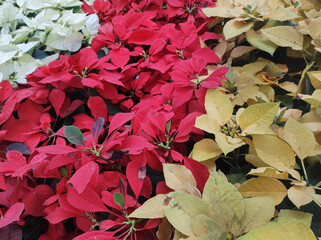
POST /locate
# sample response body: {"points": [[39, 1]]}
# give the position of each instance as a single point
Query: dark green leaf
{"points": [[74, 135], [119, 199], [236, 178], [313, 172]]}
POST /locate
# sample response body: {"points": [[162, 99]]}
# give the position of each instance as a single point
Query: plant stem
{"points": [[227, 162], [304, 172], [111, 164]]}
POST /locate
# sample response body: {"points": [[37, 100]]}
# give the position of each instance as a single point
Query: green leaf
{"points": [[74, 135], [236, 178], [119, 199]]}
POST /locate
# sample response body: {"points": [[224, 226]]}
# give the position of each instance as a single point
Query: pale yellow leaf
{"points": [[203, 224], [180, 236], [152, 208], [304, 217], [282, 14], [249, 92], [240, 50], [260, 115], [258, 211], [227, 143], [258, 40], [302, 84], [316, 198], [293, 113], [315, 79], [299, 138], [294, 173], [210, 164], [311, 121], [205, 149], [254, 68], [217, 12], [176, 176], [264, 187], [284, 228], [218, 191], [218, 106], [207, 124], [252, 157], [268, 172], [181, 208], [274, 152], [314, 99], [288, 86], [300, 195], [235, 27], [268, 91], [284, 36]]}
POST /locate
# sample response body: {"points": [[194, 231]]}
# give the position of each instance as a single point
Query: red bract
{"points": [[12, 214], [84, 139]]}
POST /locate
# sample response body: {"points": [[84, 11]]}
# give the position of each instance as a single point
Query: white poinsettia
{"points": [[49, 25]]}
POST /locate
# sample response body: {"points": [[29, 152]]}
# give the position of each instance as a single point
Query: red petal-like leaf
{"points": [[96, 235], [88, 200], [199, 171], [58, 161], [56, 149], [35, 198], [56, 99], [5, 90], [119, 57], [83, 176], [142, 36], [185, 127], [97, 107], [135, 144], [136, 172], [13, 214], [118, 120], [207, 54], [107, 224], [58, 215]]}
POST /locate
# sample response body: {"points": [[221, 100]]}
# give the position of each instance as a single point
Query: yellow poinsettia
{"points": [[229, 129], [219, 122]]}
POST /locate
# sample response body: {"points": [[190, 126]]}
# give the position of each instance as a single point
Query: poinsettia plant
{"points": [[128, 138]]}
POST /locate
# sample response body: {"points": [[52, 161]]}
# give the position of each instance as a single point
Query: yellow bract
{"points": [[284, 228], [205, 149], [261, 186], [256, 119], [299, 138], [274, 152]]}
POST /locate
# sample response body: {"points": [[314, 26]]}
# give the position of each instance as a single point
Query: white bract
{"points": [[51, 26]]}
